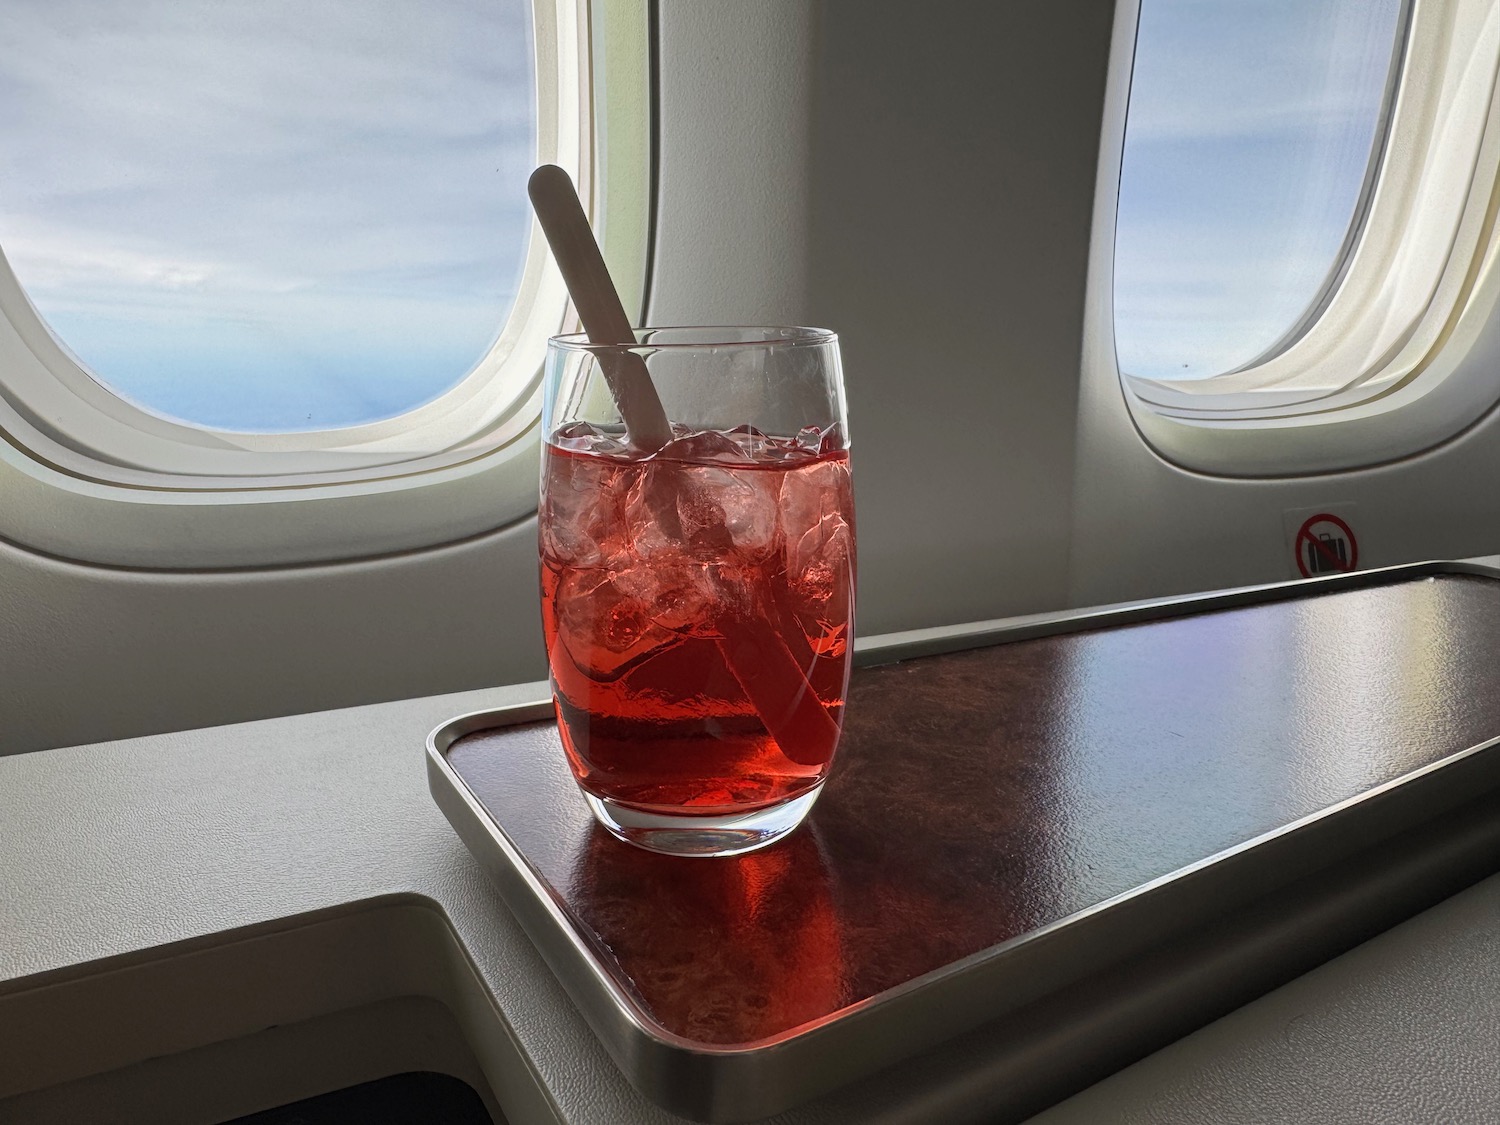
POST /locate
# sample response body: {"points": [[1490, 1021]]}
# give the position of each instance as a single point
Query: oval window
{"points": [[1253, 133], [269, 217]]}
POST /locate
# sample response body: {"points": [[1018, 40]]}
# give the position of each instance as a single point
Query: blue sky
{"points": [[1250, 129], [268, 214], [287, 215]]}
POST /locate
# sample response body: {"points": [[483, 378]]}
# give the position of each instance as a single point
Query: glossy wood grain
{"points": [[980, 795]]}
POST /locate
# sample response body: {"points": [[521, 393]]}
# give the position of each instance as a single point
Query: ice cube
{"points": [[587, 437], [606, 628], [703, 512], [819, 543], [809, 439], [833, 439], [700, 498], [677, 596], [754, 443], [745, 504], [652, 525], [582, 510], [819, 442], [704, 447]]}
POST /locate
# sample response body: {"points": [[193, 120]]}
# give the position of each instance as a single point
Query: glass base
{"points": [[702, 835]]}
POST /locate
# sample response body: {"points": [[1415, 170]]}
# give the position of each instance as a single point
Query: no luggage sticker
{"points": [[1325, 544]]}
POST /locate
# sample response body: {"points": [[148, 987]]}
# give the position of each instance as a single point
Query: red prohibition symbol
{"points": [[1325, 550]]}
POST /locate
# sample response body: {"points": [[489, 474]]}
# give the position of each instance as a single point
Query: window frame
{"points": [[88, 476], [1404, 321]]}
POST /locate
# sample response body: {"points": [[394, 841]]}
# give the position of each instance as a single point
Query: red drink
{"points": [[697, 606]]}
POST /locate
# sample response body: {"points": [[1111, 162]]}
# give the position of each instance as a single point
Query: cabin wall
{"points": [[91, 654], [916, 177], [1144, 527], [921, 178]]}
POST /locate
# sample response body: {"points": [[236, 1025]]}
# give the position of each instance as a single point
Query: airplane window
{"points": [[1252, 135], [271, 216], [1304, 210], [270, 290]]}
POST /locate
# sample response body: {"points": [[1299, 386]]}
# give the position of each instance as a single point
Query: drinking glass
{"points": [[698, 599]]}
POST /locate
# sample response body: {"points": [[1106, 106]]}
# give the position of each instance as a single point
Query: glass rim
{"points": [[713, 336]]}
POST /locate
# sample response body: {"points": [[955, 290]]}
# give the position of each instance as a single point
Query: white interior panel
{"points": [[91, 653], [922, 185], [948, 190]]}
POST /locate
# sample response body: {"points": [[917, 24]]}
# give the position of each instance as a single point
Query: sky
{"points": [[1250, 129], [273, 215], [267, 215]]}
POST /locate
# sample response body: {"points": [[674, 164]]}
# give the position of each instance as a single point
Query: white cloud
{"points": [[1210, 69], [342, 154], [1251, 128]]}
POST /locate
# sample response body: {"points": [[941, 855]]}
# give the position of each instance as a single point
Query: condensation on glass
{"points": [[272, 216], [1253, 135]]}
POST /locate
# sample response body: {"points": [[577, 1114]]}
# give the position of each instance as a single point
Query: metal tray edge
{"points": [[702, 1080], [628, 1033], [691, 1078], [885, 648]]}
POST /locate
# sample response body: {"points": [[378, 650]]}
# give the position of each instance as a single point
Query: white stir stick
{"points": [[604, 319]]}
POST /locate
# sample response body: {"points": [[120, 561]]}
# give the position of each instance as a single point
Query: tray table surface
{"points": [[981, 795]]}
